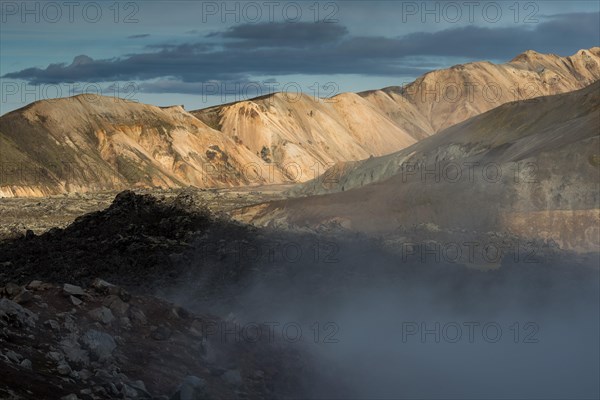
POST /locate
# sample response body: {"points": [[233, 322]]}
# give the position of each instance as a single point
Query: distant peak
{"points": [[174, 107], [82, 98], [526, 55], [588, 52]]}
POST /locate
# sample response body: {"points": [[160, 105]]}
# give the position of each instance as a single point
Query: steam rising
{"points": [[392, 330]]}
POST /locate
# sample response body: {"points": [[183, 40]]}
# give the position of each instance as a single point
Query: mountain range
{"points": [[89, 143], [528, 167]]}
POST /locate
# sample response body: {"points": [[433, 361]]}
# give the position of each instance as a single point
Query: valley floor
{"points": [[217, 309], [19, 214]]}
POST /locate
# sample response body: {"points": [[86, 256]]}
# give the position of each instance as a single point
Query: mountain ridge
{"points": [[92, 143], [409, 110], [546, 152]]}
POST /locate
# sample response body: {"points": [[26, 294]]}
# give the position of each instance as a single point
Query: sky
{"points": [[202, 53]]}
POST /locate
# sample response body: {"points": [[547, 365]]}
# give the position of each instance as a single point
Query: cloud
{"points": [[241, 52], [301, 34], [563, 34], [142, 35]]}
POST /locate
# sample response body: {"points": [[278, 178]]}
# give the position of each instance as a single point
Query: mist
{"points": [[372, 326]]}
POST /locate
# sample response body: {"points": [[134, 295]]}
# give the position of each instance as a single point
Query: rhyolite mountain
{"points": [[91, 143], [88, 143], [306, 130], [529, 167]]}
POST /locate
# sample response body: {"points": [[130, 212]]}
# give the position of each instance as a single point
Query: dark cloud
{"points": [[562, 34], [276, 49], [565, 30], [301, 34], [142, 35]]}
